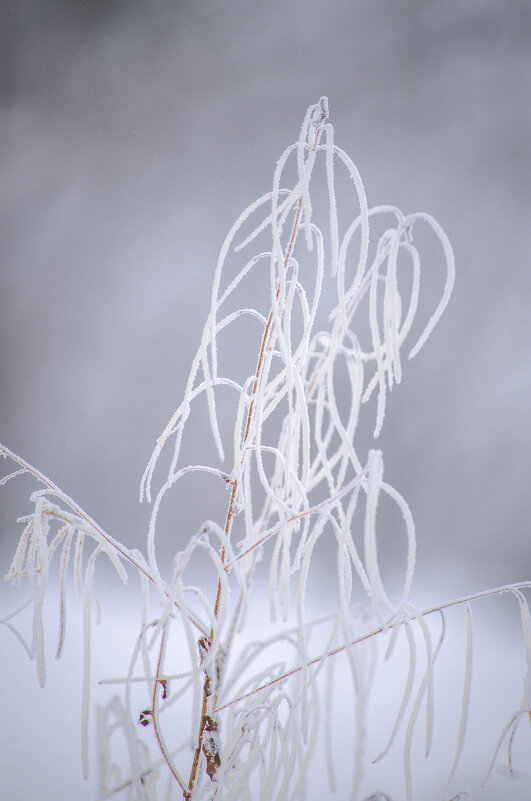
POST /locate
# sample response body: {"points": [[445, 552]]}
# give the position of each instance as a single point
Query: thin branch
{"points": [[121, 549], [340, 649], [154, 718]]}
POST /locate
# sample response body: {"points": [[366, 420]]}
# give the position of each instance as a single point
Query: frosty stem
{"points": [[230, 508]]}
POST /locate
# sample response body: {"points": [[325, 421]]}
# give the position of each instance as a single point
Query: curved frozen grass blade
{"points": [[526, 631], [411, 538], [14, 474], [378, 594], [466, 695], [87, 597], [407, 690], [65, 557], [17, 565], [426, 688], [450, 277], [513, 720]]}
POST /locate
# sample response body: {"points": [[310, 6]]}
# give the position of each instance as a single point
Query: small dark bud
{"points": [[144, 717]]}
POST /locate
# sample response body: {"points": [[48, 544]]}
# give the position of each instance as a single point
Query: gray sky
{"points": [[130, 140]]}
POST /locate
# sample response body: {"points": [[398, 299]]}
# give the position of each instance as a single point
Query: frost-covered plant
{"points": [[260, 711]]}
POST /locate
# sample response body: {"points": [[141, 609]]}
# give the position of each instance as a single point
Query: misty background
{"points": [[131, 137]]}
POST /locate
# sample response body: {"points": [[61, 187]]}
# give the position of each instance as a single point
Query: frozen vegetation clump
{"points": [[208, 710]]}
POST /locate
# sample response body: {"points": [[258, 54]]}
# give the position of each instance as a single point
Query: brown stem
{"points": [[203, 652], [230, 508], [258, 372], [154, 718]]}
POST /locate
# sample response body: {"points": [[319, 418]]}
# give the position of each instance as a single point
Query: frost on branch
{"points": [[212, 706], [56, 525]]}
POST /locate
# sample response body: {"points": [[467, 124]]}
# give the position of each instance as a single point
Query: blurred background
{"points": [[131, 137]]}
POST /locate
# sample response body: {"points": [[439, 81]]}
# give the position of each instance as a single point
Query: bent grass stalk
{"points": [[255, 725]]}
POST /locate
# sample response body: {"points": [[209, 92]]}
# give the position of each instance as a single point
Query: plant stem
{"points": [[230, 509], [154, 718]]}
